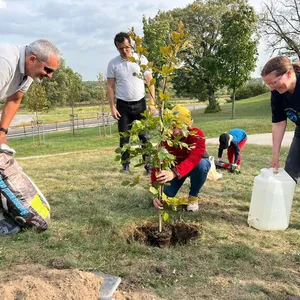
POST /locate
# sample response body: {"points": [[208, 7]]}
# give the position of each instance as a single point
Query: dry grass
{"points": [[92, 213]]}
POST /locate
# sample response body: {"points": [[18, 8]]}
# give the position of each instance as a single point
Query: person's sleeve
{"points": [[24, 88], [278, 114], [220, 153], [197, 145], [6, 72], [110, 70]]}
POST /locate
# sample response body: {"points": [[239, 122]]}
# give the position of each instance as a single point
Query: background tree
{"points": [[102, 98], [64, 88], [35, 99], [281, 26], [238, 50], [202, 74], [57, 88], [89, 92], [74, 87], [157, 33]]}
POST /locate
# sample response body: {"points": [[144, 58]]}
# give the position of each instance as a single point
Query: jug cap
{"points": [[265, 172]]}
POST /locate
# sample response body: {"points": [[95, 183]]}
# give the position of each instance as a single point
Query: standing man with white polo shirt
{"points": [[129, 92], [19, 67]]}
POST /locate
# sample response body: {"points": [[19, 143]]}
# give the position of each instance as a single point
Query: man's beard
{"points": [[38, 79]]}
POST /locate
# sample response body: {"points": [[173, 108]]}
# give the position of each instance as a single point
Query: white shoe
{"points": [[193, 205]]}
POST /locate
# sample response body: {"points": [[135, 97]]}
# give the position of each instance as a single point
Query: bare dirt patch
{"points": [[35, 282]]}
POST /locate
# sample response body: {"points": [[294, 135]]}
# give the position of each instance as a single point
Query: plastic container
{"points": [[271, 200]]}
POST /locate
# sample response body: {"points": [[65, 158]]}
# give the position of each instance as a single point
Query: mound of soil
{"points": [[35, 282]]}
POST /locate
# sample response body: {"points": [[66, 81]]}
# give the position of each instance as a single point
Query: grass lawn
{"points": [[93, 215]]}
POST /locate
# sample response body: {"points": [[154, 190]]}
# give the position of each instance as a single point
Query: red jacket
{"points": [[186, 159]]}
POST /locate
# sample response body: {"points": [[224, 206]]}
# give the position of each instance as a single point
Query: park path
{"points": [[261, 139], [257, 139]]}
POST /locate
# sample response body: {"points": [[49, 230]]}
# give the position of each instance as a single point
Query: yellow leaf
{"points": [[152, 81], [165, 216]]}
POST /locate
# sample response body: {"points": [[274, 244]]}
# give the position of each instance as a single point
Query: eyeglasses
{"points": [[275, 82], [46, 69]]}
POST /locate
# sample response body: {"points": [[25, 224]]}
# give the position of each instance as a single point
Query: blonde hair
{"points": [[279, 65]]}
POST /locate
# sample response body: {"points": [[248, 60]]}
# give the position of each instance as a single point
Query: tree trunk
{"points": [[73, 123], [211, 98], [233, 103]]}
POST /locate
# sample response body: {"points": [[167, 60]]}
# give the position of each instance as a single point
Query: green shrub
{"points": [[252, 88]]}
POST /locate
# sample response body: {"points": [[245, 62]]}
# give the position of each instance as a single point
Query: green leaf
{"points": [[117, 158], [125, 182], [153, 190], [165, 216], [118, 150]]}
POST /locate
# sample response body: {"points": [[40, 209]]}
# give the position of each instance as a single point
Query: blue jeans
{"points": [[197, 178]]}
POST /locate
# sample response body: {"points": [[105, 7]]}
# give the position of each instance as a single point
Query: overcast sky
{"points": [[83, 29]]}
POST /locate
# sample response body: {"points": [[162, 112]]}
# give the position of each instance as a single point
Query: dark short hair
{"points": [[224, 139], [121, 37]]}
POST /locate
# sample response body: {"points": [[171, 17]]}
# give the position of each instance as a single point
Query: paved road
{"points": [[29, 130]]}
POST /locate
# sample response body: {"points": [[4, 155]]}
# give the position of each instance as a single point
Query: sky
{"points": [[84, 30]]}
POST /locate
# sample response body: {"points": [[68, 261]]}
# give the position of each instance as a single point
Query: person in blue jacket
{"points": [[233, 141]]}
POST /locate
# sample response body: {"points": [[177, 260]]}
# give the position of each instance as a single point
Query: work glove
{"points": [[6, 149]]}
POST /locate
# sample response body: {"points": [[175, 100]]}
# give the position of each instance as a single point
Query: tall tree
{"points": [[57, 88], [157, 33], [35, 99], [74, 88], [238, 50], [281, 26], [202, 74]]}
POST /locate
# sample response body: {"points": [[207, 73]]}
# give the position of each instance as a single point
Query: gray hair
{"points": [[43, 49]]}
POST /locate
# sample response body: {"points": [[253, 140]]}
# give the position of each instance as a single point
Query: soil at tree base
{"points": [[178, 232]]}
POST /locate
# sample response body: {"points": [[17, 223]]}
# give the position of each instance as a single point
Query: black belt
{"points": [[131, 102]]}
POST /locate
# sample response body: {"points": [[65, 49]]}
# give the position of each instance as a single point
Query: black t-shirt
{"points": [[286, 105]]}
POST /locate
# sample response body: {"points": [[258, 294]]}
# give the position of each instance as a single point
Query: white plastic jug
{"points": [[271, 200]]}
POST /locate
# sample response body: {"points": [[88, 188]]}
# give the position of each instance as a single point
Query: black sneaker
{"points": [[8, 227]]}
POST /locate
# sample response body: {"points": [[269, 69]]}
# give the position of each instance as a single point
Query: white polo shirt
{"points": [[12, 71], [128, 87]]}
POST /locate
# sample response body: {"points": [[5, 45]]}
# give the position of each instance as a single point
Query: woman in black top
{"points": [[283, 78]]}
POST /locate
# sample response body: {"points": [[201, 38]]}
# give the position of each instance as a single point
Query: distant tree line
{"points": [[222, 54], [65, 89]]}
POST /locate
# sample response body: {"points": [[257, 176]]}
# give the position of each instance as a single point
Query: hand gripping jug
{"points": [[271, 200]]}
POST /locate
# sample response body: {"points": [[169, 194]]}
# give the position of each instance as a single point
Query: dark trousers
{"points": [[292, 164], [231, 153], [130, 111]]}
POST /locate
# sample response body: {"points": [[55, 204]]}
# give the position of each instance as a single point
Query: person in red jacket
{"points": [[190, 162]]}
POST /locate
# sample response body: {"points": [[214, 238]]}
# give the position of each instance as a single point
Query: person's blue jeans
{"points": [[197, 178]]}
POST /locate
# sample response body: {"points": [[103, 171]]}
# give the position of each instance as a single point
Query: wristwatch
{"points": [[4, 130]]}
